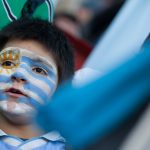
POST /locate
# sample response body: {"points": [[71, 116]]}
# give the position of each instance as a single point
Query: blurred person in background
{"points": [[68, 23], [95, 17], [100, 22]]}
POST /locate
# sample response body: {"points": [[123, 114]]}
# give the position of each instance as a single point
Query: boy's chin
{"points": [[18, 119], [20, 114]]}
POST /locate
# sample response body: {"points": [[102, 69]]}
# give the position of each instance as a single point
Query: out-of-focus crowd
{"points": [[86, 19], [84, 22]]}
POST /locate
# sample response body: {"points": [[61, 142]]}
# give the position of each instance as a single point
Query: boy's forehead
{"points": [[32, 46]]}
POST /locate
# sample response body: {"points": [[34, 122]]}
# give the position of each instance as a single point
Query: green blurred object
{"points": [[10, 10]]}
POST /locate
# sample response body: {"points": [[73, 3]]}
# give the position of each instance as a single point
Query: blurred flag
{"points": [[84, 115], [123, 38]]}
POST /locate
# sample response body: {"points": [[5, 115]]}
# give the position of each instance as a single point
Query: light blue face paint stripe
{"points": [[30, 101], [29, 69], [38, 77], [37, 91], [32, 63], [40, 92], [3, 96], [4, 78]]}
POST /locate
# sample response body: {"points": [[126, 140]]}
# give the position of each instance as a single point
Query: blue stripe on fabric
{"points": [[5, 146], [33, 63], [109, 105], [36, 90]]}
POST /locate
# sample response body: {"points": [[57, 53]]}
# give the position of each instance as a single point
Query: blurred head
{"points": [[35, 58], [68, 23]]}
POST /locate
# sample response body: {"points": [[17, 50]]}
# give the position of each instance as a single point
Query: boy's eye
{"points": [[39, 70], [8, 64]]}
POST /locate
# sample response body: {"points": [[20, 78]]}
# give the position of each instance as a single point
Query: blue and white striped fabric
{"points": [[49, 141], [83, 115]]}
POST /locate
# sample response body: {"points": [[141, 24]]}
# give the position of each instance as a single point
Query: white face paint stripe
{"points": [[35, 81], [20, 108], [33, 56], [33, 95], [49, 78], [6, 72], [53, 81], [4, 85]]}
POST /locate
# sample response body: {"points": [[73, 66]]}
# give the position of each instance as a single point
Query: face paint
{"points": [[27, 81]]}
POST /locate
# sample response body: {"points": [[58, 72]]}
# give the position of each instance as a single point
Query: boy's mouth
{"points": [[16, 93]]}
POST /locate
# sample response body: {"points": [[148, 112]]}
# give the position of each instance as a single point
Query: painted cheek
{"points": [[3, 96], [52, 86], [7, 72], [37, 94], [5, 78]]}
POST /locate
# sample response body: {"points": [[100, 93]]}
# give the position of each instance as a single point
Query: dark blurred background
{"points": [[84, 22]]}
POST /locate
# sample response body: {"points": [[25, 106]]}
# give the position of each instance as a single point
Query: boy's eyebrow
{"points": [[43, 61]]}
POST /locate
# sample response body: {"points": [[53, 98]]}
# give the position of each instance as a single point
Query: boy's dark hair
{"points": [[46, 34]]}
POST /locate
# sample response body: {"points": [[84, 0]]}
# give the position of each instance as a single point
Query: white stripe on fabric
{"points": [[2, 133], [139, 137], [49, 13], [35, 81], [54, 136], [123, 38], [11, 141], [33, 144], [10, 11], [49, 4]]}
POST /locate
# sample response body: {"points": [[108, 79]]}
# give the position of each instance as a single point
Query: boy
{"points": [[35, 58]]}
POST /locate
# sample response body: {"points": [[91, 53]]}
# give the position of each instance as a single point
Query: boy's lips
{"points": [[14, 92]]}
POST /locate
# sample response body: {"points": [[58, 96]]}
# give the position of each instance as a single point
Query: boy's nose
{"points": [[18, 78]]}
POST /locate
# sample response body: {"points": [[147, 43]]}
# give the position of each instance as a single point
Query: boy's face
{"points": [[28, 78]]}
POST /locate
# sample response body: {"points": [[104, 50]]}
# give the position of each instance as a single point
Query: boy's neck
{"points": [[22, 131]]}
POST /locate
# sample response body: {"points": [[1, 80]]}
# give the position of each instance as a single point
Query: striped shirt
{"points": [[52, 141]]}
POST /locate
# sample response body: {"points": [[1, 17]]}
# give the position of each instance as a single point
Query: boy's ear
{"points": [[13, 10]]}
